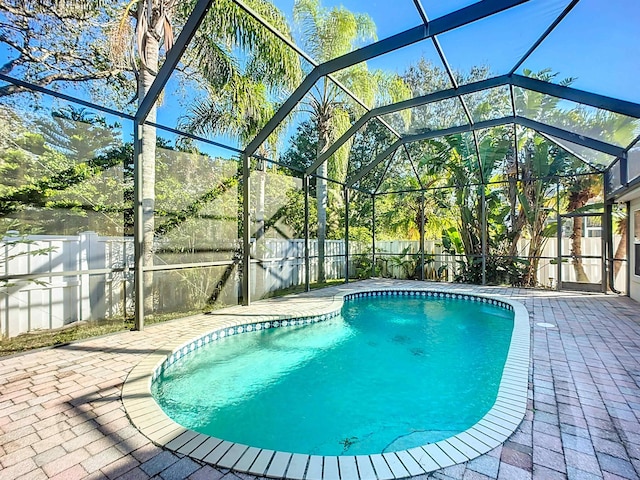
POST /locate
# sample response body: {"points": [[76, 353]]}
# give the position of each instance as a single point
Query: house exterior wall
{"points": [[634, 254]]}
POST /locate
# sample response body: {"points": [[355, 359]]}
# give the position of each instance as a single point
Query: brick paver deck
{"points": [[61, 411]]}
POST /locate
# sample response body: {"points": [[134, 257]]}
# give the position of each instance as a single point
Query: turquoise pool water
{"points": [[390, 373]]}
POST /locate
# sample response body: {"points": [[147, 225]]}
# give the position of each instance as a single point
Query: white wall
{"points": [[634, 284]]}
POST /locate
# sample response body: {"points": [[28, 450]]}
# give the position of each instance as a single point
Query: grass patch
{"points": [[49, 338], [85, 330], [82, 331], [166, 317]]}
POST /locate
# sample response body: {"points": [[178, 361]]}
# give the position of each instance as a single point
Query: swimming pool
{"points": [[496, 420], [391, 372]]}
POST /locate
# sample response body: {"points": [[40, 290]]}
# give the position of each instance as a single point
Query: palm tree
{"points": [[582, 188], [540, 165], [240, 100], [242, 105], [540, 162], [326, 34], [226, 29], [622, 220]]}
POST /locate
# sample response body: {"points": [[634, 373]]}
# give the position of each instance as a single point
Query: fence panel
{"points": [[48, 301], [75, 294]]}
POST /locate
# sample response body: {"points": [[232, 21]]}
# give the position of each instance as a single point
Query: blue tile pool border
{"points": [[221, 333], [224, 332], [491, 431]]}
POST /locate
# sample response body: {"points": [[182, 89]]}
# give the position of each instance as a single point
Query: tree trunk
{"points": [[421, 221], [531, 278], [147, 76], [536, 246], [260, 229], [321, 195], [321, 200], [576, 250], [578, 200], [621, 251], [518, 219]]}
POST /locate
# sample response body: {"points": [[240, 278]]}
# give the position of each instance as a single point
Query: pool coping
{"points": [[495, 427]]}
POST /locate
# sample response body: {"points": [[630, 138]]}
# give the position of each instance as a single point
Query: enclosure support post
{"points": [[307, 262], [138, 232], [246, 231], [628, 240], [608, 252], [346, 234], [373, 234], [606, 244], [559, 239], [422, 236], [484, 235]]}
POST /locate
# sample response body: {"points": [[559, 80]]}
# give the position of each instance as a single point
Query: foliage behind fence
{"points": [[89, 277]]}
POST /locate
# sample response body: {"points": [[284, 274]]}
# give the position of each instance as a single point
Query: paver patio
{"points": [[61, 412]]}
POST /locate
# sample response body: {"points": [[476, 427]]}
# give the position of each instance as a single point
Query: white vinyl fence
{"points": [[87, 277], [63, 290]]}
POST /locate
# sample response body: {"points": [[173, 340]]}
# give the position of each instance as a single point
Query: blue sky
{"points": [[598, 43]]}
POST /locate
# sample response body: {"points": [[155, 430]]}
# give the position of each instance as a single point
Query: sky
{"points": [[598, 43]]}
